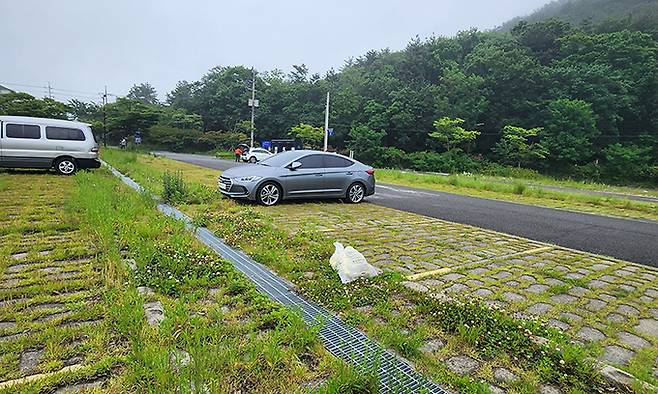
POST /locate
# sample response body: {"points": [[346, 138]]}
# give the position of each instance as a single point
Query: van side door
{"points": [[23, 146]]}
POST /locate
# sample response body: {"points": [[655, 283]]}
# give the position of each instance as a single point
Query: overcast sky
{"points": [[82, 45]]}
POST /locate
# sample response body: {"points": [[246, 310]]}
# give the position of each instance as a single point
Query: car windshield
{"points": [[280, 159]]}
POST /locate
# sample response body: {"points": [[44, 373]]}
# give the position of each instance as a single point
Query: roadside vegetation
{"points": [[401, 319], [516, 190], [114, 254]]}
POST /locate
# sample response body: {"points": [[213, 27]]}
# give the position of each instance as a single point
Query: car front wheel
{"points": [[269, 194], [66, 166], [253, 159], [355, 193]]}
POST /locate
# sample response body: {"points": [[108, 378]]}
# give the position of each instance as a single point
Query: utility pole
{"points": [[105, 117], [253, 103], [50, 92], [326, 125]]}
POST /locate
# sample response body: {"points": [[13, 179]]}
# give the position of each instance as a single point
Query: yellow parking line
{"points": [[429, 273], [440, 271]]}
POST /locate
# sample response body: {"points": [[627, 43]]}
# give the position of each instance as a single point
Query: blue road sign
{"points": [[330, 132]]}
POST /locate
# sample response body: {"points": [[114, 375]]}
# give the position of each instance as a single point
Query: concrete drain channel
{"points": [[345, 342]]}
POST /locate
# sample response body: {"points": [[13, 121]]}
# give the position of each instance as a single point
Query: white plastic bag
{"points": [[350, 264]]}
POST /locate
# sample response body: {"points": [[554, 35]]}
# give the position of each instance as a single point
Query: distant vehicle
{"points": [[47, 143], [299, 174], [255, 155]]}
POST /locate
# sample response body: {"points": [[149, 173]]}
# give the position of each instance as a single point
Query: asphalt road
{"points": [[627, 239]]}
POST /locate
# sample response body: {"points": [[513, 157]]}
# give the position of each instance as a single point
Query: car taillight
{"points": [[371, 171], [94, 150]]}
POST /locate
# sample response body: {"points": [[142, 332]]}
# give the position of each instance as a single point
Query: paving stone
{"points": [[627, 310], [616, 318], [154, 313], [512, 297], [563, 299], [81, 387], [179, 359], [484, 293], [548, 389], [647, 327], [554, 282], [527, 278], [654, 312], [590, 334], [496, 390], [596, 305], [626, 288], [608, 278], [577, 291], [597, 284], [503, 375], [512, 283], [632, 340], [415, 286], [30, 360], [474, 282], [649, 276], [431, 282], [574, 275], [502, 274], [432, 345], [539, 308], [495, 304], [537, 288], [653, 293], [452, 277], [18, 256], [456, 288], [617, 355], [599, 267], [7, 325], [559, 324], [462, 365], [478, 271]]}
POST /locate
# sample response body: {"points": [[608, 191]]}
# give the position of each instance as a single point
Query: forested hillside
{"points": [[602, 14], [548, 96]]}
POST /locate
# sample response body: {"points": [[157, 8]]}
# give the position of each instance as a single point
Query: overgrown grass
{"points": [[518, 191], [302, 257]]}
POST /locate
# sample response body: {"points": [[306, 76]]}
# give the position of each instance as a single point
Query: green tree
{"points": [[363, 138], [23, 104], [125, 116], [311, 136], [225, 140], [450, 133], [569, 131], [143, 92], [516, 147], [624, 161]]}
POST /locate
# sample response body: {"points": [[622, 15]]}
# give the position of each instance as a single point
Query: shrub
{"points": [[174, 190], [496, 169], [173, 138]]}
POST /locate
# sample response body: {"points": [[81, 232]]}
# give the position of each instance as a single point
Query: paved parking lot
{"points": [[609, 305]]}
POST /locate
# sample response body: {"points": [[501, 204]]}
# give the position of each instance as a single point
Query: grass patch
{"points": [[386, 310], [522, 192]]}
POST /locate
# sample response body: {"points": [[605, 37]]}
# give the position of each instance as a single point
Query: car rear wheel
{"points": [[253, 159], [269, 194], [355, 193], [66, 166]]}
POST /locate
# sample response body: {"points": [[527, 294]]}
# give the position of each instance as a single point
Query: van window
{"points": [[23, 131], [64, 133]]}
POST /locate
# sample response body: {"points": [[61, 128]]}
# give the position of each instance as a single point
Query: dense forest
{"points": [[603, 15], [573, 100]]}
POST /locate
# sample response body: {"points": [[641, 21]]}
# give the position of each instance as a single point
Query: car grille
{"points": [[227, 182]]}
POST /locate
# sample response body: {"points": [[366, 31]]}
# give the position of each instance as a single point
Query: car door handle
{"points": [[349, 173], [318, 174]]}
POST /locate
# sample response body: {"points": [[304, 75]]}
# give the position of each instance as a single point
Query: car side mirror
{"points": [[294, 165]]}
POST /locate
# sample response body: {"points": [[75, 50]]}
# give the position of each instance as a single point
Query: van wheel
{"points": [[253, 159], [66, 166]]}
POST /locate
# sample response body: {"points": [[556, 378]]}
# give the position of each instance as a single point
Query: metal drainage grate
{"points": [[341, 340]]}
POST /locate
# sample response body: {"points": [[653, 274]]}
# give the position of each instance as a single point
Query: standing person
{"points": [[238, 153]]}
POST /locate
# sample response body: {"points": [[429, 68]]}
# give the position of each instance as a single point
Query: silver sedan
{"points": [[299, 174]]}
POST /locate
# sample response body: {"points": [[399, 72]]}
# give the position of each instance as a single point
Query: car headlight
{"points": [[252, 178]]}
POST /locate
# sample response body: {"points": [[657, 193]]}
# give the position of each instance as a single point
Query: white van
{"points": [[47, 143]]}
